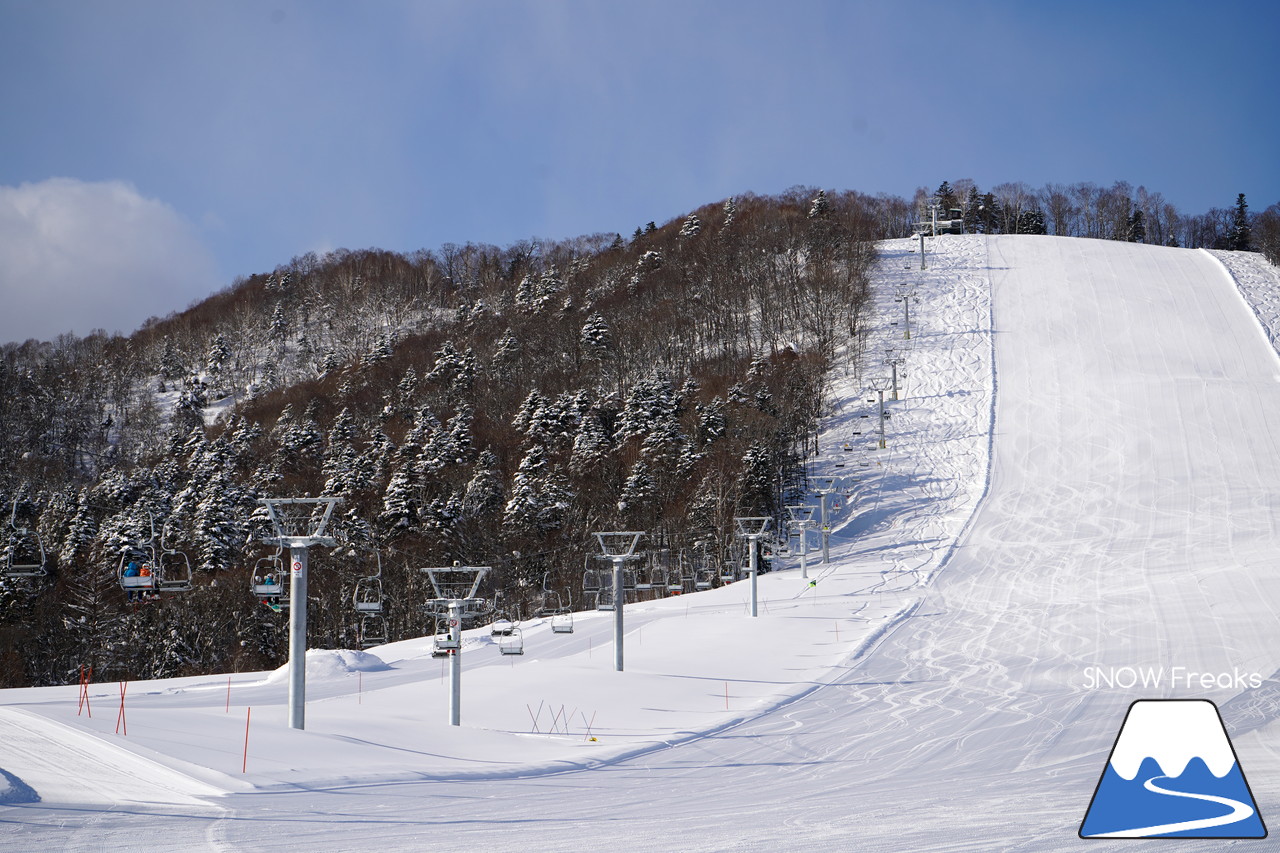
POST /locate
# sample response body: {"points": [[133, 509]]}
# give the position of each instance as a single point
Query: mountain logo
{"points": [[1172, 773]]}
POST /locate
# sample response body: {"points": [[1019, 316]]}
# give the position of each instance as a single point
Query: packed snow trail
{"points": [[1128, 521]]}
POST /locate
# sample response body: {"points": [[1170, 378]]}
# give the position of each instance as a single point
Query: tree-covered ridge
{"points": [[1117, 212], [493, 406]]}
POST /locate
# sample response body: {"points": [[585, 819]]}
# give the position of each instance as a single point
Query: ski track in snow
{"points": [[1113, 504]]}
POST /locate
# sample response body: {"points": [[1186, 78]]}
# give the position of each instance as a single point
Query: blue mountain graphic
{"points": [[1120, 805]]}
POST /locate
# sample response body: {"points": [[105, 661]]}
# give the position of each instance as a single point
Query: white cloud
{"points": [[77, 256]]}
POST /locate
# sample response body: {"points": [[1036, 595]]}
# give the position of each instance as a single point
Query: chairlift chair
{"points": [[137, 575], [443, 643], [647, 578], [562, 623], [268, 583], [367, 598], [604, 598], [372, 629], [175, 572], [512, 643], [592, 580], [603, 589], [24, 557]]}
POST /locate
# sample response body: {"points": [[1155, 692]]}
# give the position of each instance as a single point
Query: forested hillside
{"points": [[485, 405], [488, 405]]}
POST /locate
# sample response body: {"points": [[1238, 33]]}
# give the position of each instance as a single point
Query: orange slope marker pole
{"points": [[244, 765]]}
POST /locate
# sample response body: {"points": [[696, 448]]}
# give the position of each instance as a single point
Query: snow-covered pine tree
{"points": [[483, 494], [278, 328], [529, 408], [406, 393], [219, 527], [341, 468], [1031, 220], [973, 212], [399, 502], [712, 422], [171, 366], [506, 353], [539, 497], [691, 228], [819, 207], [1137, 231], [1240, 237], [590, 446], [379, 352], [757, 480], [218, 357], [526, 293], [945, 197], [636, 502], [596, 338], [78, 543], [730, 213]]}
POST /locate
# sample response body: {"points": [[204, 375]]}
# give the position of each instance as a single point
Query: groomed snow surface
{"points": [[1081, 477]]}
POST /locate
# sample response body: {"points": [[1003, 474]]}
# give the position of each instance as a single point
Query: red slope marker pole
{"points": [[228, 694], [85, 678], [120, 718]]}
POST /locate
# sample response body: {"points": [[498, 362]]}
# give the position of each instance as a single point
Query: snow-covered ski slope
{"points": [[1081, 478]]}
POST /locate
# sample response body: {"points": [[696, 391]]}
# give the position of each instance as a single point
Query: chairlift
{"points": [[137, 576], [372, 630], [443, 642], [593, 580], [562, 623], [675, 581], [367, 597], [24, 557], [552, 602], [147, 570], [604, 598], [650, 577], [175, 572], [511, 643], [268, 583]]}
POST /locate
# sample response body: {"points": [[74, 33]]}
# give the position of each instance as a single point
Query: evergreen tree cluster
{"points": [[1118, 212]]}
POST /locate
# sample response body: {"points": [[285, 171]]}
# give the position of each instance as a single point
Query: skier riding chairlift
{"points": [[132, 572]]}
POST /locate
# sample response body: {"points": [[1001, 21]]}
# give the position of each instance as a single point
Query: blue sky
{"points": [[153, 151]]}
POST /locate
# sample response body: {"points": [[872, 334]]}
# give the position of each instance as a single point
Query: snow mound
{"points": [[13, 790], [333, 663]]}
